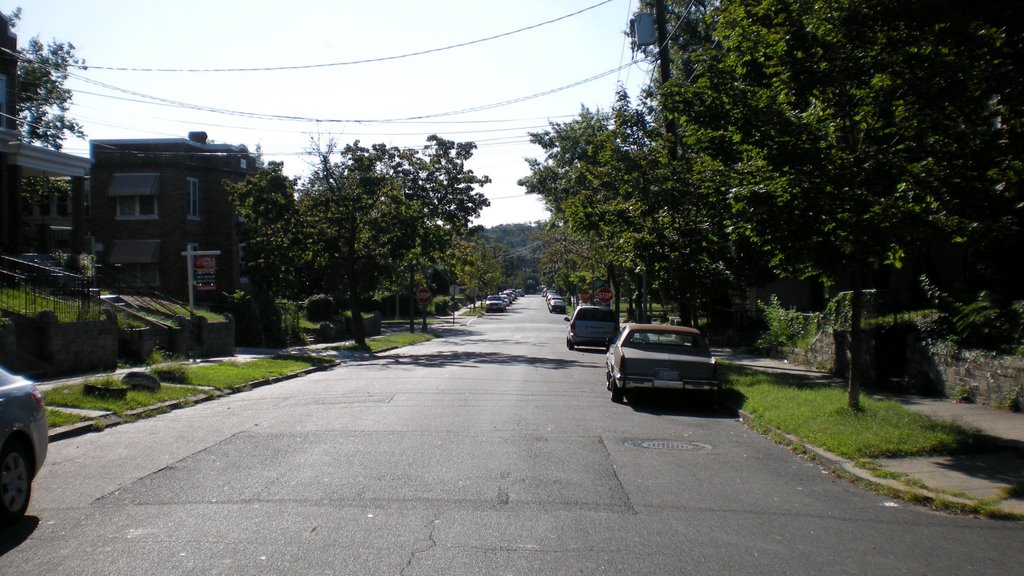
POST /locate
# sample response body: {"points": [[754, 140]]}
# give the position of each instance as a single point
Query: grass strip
{"points": [[228, 375], [396, 340], [74, 397], [58, 418], [819, 415]]}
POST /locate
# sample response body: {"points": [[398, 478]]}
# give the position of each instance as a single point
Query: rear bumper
{"points": [[627, 382]]}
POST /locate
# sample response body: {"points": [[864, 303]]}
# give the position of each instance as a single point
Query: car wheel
{"points": [[569, 344], [15, 482], [617, 393]]}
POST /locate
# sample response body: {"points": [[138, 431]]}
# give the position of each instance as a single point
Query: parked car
{"points": [[23, 443], [591, 326], [556, 306], [494, 304], [648, 356]]}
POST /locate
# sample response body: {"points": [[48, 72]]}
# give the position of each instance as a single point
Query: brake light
{"points": [[38, 397], [572, 326]]}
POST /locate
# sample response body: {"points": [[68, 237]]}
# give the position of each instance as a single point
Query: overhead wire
{"points": [[352, 62]]}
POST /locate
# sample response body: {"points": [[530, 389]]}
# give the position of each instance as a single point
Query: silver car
{"points": [[591, 326], [23, 443], [648, 356]]}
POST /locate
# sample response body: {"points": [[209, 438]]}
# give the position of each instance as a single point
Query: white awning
{"points": [[135, 185], [135, 252]]}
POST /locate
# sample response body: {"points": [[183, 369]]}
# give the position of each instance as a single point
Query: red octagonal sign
{"points": [[423, 295], [605, 295]]}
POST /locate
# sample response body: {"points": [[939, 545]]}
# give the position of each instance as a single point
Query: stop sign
{"points": [[423, 295], [585, 296], [605, 295]]}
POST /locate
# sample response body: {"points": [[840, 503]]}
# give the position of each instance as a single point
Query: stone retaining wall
{"points": [[981, 377]]}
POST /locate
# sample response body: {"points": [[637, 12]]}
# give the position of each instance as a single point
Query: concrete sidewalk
{"points": [[994, 478]]}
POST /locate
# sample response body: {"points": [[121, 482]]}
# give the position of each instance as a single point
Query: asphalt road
{"points": [[492, 451]]}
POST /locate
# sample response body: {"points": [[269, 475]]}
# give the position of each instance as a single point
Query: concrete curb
{"points": [[891, 487], [109, 420]]}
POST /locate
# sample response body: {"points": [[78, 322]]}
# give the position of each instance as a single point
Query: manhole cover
{"points": [[669, 445]]}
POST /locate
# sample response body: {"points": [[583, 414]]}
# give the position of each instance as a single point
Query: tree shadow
{"points": [[472, 359]]}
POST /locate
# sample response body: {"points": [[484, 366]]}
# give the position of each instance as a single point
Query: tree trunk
{"points": [[358, 330], [412, 303], [856, 342]]}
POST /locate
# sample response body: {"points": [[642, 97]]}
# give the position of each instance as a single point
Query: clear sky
{"points": [[282, 74]]}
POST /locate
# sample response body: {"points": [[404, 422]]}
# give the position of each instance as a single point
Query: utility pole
{"points": [[665, 66]]}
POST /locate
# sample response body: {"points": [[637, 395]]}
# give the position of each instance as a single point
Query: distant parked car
{"points": [[591, 326], [556, 306], [23, 443], [494, 304], [648, 356]]}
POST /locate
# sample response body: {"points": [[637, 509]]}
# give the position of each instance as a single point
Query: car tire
{"points": [[618, 394], [569, 344], [15, 481]]}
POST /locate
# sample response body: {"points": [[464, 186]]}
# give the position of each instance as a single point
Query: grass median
{"points": [[818, 415], [188, 381], [396, 340]]}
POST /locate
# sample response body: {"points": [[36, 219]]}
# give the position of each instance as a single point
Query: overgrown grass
{"points": [[819, 415], [396, 340], [57, 418], [74, 397], [228, 375]]}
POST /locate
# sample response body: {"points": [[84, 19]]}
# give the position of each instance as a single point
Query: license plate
{"points": [[668, 375]]}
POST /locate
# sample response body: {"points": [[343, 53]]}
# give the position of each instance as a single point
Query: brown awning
{"points": [[135, 252], [135, 185]]}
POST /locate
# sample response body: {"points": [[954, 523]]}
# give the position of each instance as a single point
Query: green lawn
{"points": [[74, 397], [56, 418], [396, 340], [819, 416], [228, 375]]}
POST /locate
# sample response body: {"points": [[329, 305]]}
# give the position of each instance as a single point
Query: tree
{"points": [[857, 130], [268, 228], [43, 99], [376, 210]]}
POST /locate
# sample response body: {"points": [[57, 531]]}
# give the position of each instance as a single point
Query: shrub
{"points": [[786, 328], [320, 308]]}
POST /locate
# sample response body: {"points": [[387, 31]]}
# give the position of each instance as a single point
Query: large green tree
{"points": [[268, 229], [854, 131], [369, 212]]}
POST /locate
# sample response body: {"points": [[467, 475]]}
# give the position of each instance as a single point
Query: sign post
{"points": [[423, 296], [206, 265]]}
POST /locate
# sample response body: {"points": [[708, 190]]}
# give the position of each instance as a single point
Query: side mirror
{"points": [[566, 318]]}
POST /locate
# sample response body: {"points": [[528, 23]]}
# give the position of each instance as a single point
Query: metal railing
{"points": [[28, 288]]}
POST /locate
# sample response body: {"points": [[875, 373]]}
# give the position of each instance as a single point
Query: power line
{"points": [[351, 62], [156, 100]]}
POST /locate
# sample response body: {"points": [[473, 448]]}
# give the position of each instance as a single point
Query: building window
{"points": [[136, 195], [141, 207], [244, 164], [192, 186]]}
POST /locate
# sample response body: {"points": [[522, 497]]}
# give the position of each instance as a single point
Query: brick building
{"points": [[25, 227], [152, 199]]}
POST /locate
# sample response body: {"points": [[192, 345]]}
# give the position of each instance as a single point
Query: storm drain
{"points": [[669, 445]]}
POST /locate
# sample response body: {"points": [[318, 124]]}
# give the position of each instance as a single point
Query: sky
{"points": [[285, 75]]}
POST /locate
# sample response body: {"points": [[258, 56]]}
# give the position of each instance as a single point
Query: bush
{"points": [[320, 308], [442, 305], [785, 328]]}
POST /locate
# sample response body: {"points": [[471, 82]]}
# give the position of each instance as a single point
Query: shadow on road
{"points": [[13, 536], [681, 403], [449, 359]]}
